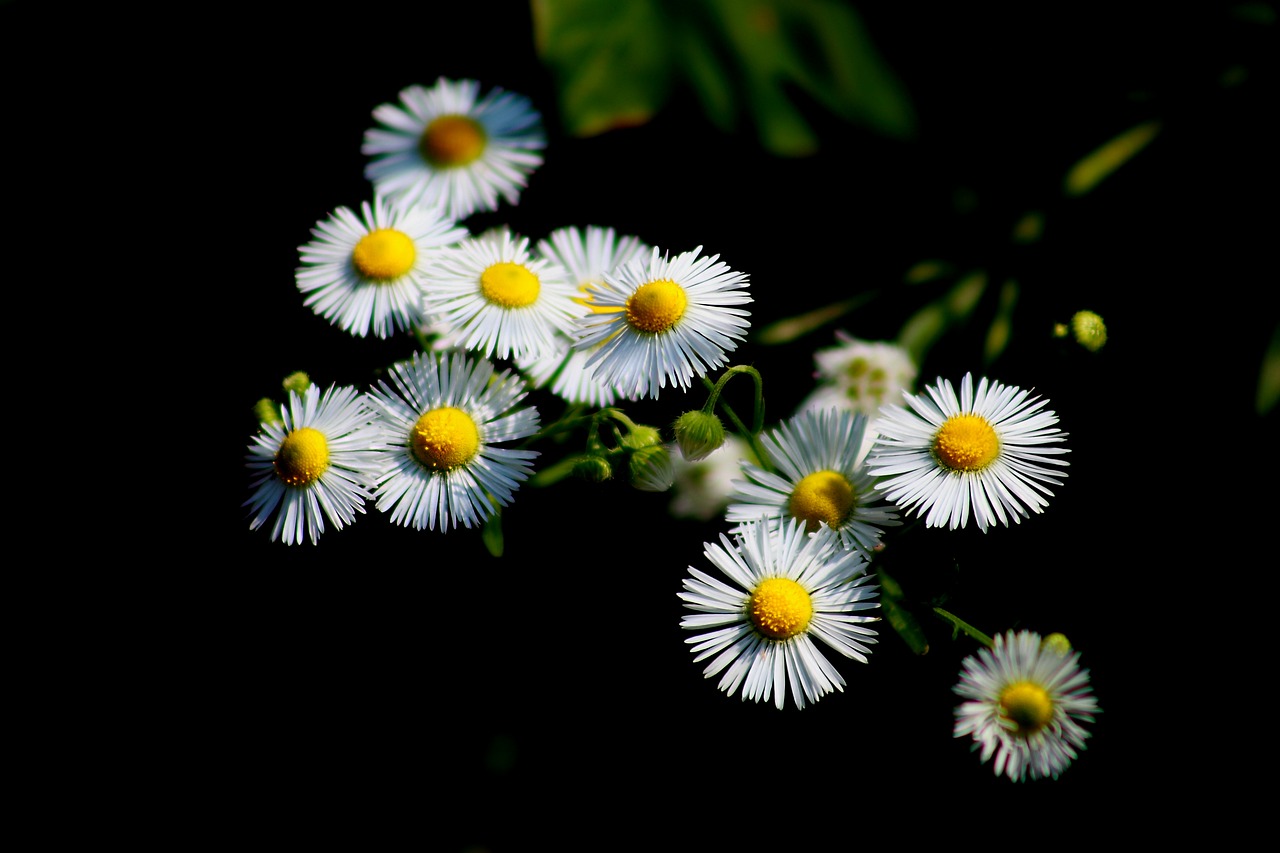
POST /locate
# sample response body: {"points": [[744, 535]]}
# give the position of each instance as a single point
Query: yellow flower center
{"points": [[452, 140], [509, 285], [966, 443], [1027, 706], [384, 254], [303, 456], [822, 496], [656, 306], [445, 438], [780, 608]]}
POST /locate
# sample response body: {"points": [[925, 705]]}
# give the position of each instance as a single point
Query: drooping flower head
{"points": [[1026, 700], [316, 462], [988, 451], [821, 480], [489, 294], [449, 146], [663, 320], [442, 418], [364, 273], [786, 588], [587, 254]]}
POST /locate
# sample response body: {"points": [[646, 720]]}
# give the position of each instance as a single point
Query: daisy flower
{"points": [[490, 294], [449, 146], [364, 273], [441, 423], [787, 588], [821, 480], [664, 319], [1026, 701], [985, 451], [587, 254], [317, 462]]}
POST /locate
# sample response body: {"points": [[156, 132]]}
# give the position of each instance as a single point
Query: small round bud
{"points": [[266, 411], [593, 468], [1057, 643], [297, 382], [641, 436], [651, 469], [698, 434], [1089, 330]]}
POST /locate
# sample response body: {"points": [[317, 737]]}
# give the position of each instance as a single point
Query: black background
{"points": [[398, 684]]}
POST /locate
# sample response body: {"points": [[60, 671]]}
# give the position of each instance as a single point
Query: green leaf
{"points": [[609, 59], [1269, 376], [923, 329], [491, 533], [898, 616], [1002, 325], [1106, 158], [790, 328]]}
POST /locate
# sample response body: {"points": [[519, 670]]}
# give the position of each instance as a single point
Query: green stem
{"points": [[965, 627], [750, 435]]}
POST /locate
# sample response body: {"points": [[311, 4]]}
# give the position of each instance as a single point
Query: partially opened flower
{"points": [[442, 417], [316, 463], [489, 294], [447, 145], [587, 254], [364, 273], [987, 451], [663, 320], [821, 480], [1026, 700], [786, 589]]}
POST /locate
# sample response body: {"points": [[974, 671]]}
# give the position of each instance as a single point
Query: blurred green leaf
{"points": [[1269, 376], [491, 533], [616, 61], [1106, 158], [898, 616], [923, 328], [1002, 326], [790, 328]]}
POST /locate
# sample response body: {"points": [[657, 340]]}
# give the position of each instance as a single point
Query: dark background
{"points": [[391, 682]]}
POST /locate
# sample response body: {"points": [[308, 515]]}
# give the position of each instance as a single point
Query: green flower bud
{"points": [[699, 435], [1057, 643], [641, 436], [1089, 330], [297, 382], [651, 469], [593, 468], [266, 411]]}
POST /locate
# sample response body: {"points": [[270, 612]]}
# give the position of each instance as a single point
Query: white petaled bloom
{"points": [[664, 319], [443, 417], [786, 589], [702, 488], [587, 254], [987, 451], [364, 273], [1026, 700], [317, 462], [821, 480], [449, 146], [491, 295]]}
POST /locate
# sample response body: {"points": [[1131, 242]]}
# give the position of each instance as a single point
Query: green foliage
{"points": [[1269, 376], [616, 62]]}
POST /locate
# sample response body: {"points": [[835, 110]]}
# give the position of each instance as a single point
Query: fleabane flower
{"points": [[364, 273], [860, 376], [1026, 699], [448, 145], [663, 320], [442, 418], [587, 254], [316, 462], [821, 480], [786, 589], [988, 451], [491, 295]]}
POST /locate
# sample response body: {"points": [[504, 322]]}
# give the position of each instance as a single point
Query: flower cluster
{"points": [[601, 320]]}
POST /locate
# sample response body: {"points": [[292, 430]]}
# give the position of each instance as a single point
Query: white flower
{"points": [[449, 146], [365, 273], [821, 480], [665, 319], [317, 463], [702, 488], [1026, 701], [442, 423], [986, 451], [787, 588]]}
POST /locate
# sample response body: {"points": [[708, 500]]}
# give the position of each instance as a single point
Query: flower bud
{"points": [[1089, 330], [651, 469], [698, 434], [297, 382], [593, 468], [641, 436]]}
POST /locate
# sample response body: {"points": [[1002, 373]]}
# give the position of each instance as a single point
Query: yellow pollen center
{"points": [[303, 456], [1027, 706], [780, 608], [822, 496], [452, 140], [384, 254], [966, 443], [656, 306], [444, 438], [509, 285]]}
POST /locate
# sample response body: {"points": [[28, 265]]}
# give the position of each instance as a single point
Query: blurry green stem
{"points": [[964, 626], [751, 435]]}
